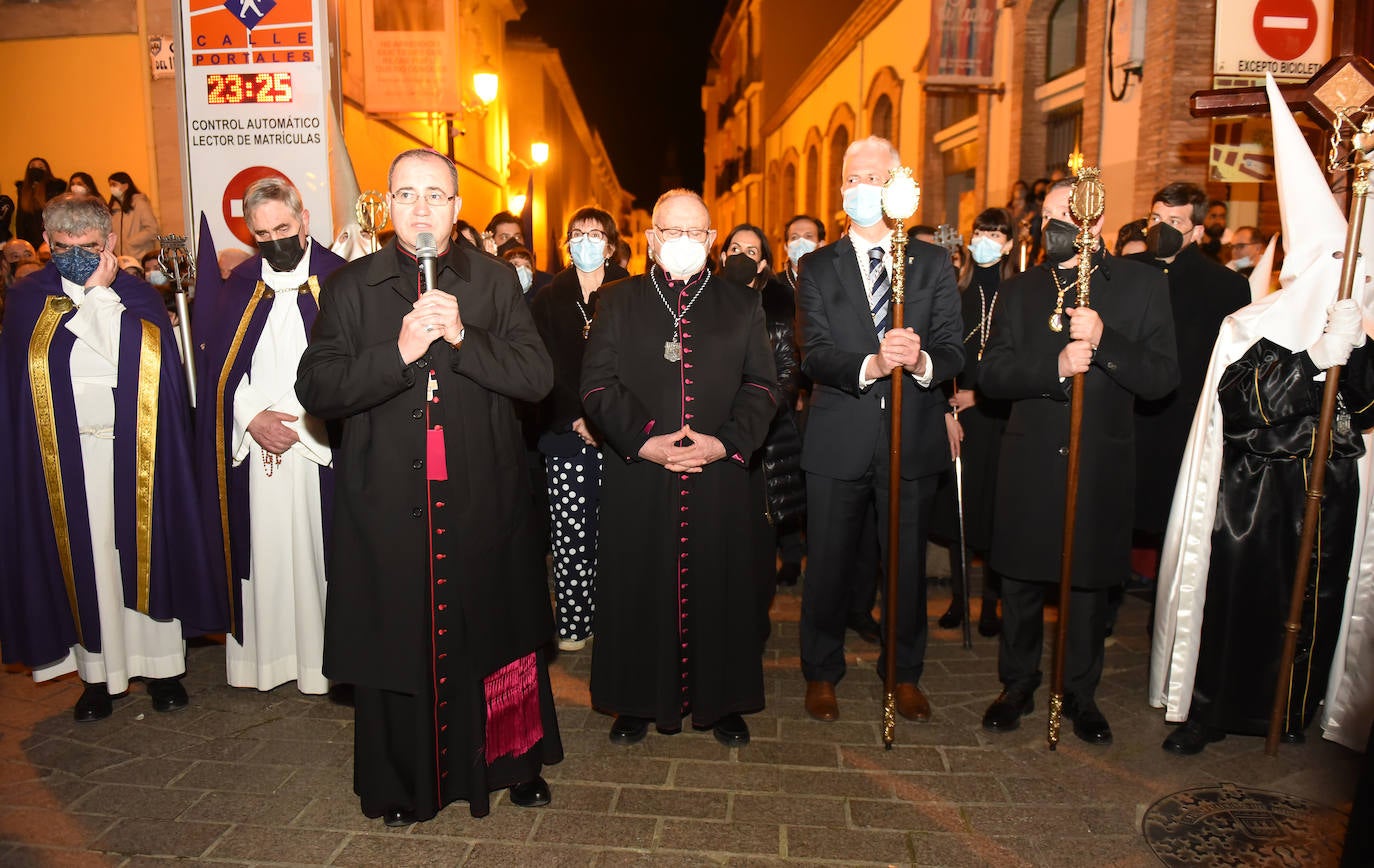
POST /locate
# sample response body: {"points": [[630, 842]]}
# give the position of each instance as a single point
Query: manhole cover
{"points": [[1233, 825]]}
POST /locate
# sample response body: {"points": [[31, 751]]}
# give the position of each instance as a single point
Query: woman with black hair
{"points": [[746, 258], [984, 268], [34, 190], [135, 225], [563, 312], [82, 183]]}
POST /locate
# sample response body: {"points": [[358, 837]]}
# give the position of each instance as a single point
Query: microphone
{"points": [[427, 254]]}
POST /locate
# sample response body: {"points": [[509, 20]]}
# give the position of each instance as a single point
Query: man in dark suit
{"points": [[850, 350], [1202, 293], [1124, 343]]}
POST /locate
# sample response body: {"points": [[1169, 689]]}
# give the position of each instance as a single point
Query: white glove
{"points": [[1344, 331]]}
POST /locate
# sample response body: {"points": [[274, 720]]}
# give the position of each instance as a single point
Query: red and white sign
{"points": [[1285, 29], [231, 203], [254, 85], [1289, 39]]}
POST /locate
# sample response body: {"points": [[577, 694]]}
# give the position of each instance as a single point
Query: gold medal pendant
{"points": [[1056, 323], [672, 351]]}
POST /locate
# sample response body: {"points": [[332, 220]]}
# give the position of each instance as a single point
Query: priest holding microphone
{"points": [[438, 608]]}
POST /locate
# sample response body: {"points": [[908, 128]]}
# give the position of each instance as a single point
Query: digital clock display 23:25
{"points": [[234, 88]]}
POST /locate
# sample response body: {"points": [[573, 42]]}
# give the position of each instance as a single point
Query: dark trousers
{"points": [[867, 573], [836, 511], [1022, 639]]}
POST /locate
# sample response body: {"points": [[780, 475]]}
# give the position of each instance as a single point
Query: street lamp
{"points": [[539, 152], [485, 82]]}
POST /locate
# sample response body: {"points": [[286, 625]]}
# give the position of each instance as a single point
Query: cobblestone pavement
{"points": [[265, 778]]}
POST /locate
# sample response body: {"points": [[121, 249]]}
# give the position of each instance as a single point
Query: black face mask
{"points": [[35, 175], [740, 268], [1163, 241], [283, 254], [1057, 237]]}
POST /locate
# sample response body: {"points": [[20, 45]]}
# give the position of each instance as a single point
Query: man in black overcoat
{"points": [[438, 607], [849, 351], [1124, 343], [1202, 293]]}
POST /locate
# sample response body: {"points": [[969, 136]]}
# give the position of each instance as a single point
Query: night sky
{"points": [[637, 69]]}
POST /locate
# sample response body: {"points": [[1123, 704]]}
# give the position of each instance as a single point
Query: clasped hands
{"points": [[702, 449], [270, 431], [433, 316], [1085, 333], [899, 348]]}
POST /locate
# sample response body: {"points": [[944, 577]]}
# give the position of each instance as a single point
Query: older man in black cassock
{"points": [[679, 379], [438, 608]]}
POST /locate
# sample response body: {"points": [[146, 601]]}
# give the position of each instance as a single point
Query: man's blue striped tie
{"points": [[880, 296]]}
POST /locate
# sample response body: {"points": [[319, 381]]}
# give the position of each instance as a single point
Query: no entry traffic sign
{"points": [[1290, 39], [1285, 29]]}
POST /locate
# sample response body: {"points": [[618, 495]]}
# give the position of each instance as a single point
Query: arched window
{"points": [[839, 142], [881, 125], [789, 190], [813, 180], [1068, 31]]}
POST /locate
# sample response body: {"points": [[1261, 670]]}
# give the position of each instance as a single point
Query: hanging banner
{"points": [[412, 57], [962, 33]]}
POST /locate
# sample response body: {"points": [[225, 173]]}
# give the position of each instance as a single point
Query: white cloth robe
{"points": [[283, 599], [1293, 322], [132, 644]]}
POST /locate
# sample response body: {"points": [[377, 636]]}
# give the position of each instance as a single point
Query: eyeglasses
{"points": [[594, 234], [736, 247], [433, 197], [676, 232], [91, 246]]}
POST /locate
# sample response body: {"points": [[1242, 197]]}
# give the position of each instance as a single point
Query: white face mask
{"points": [[587, 254], [1242, 263], [799, 247], [526, 277], [985, 250], [681, 256], [864, 204]]}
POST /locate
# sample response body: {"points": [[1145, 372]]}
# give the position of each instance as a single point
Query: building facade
{"points": [[793, 82], [92, 104]]}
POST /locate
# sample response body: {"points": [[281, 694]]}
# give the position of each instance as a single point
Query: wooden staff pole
{"points": [[894, 497], [1086, 203], [1321, 450], [901, 195]]}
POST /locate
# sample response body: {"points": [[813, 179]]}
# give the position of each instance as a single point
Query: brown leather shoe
{"points": [[820, 701], [911, 702]]}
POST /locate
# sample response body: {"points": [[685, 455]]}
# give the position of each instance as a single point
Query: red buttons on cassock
{"points": [[443, 607], [439, 504]]}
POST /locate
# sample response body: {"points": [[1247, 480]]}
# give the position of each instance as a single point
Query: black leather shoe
{"points": [[531, 794], [629, 730], [788, 573], [1007, 709], [988, 622], [866, 627], [95, 704], [1192, 738], [732, 731], [397, 817], [953, 616], [1089, 723], [1293, 738], [167, 694]]}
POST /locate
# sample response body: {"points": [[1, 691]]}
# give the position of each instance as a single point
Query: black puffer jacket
{"points": [[786, 486]]}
